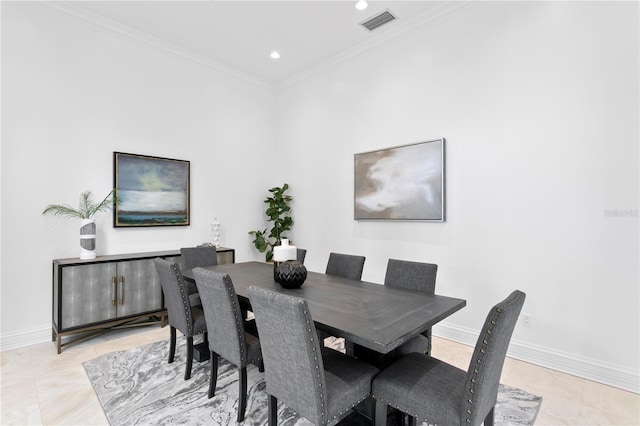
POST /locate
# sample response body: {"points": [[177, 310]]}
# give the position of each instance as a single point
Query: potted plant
{"points": [[278, 212], [87, 208]]}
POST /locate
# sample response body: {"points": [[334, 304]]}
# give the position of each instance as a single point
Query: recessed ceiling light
{"points": [[275, 55], [362, 5]]}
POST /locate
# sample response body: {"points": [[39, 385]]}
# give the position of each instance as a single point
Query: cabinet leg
{"points": [[56, 337]]}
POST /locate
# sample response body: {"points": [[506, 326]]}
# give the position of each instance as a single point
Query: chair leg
{"points": [[427, 334], [380, 415], [172, 344], [488, 421], [242, 393], [213, 379], [348, 347], [273, 410], [187, 371]]}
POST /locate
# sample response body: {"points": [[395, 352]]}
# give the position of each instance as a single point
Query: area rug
{"points": [[139, 387]]}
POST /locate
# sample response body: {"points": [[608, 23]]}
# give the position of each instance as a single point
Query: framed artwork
{"points": [[401, 183], [151, 191]]}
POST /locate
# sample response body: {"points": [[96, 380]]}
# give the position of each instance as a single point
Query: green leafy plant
{"points": [[278, 212], [87, 208]]}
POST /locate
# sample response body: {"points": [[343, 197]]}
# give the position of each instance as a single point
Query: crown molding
{"points": [[438, 12], [127, 32]]}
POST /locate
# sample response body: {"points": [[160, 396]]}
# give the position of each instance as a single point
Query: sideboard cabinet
{"points": [[110, 291]]}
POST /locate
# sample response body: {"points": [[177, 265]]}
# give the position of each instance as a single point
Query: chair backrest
{"points": [[294, 371], [301, 254], [411, 275], [223, 315], [483, 377], [345, 265], [193, 257], [175, 296]]}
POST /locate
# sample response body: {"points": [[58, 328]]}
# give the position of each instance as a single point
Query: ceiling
{"points": [[239, 36]]}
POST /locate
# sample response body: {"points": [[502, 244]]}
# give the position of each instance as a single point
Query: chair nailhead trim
{"points": [[476, 371], [185, 300], [239, 321]]}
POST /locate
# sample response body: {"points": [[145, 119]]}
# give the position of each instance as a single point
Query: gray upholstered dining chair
{"points": [[438, 393], [182, 316], [345, 265], [193, 257], [416, 276], [301, 254], [320, 384], [227, 335]]}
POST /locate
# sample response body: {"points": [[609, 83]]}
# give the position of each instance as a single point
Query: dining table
{"points": [[377, 317]]}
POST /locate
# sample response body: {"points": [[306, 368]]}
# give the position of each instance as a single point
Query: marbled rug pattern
{"points": [[139, 387]]}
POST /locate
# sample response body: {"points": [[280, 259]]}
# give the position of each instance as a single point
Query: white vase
{"points": [[88, 239]]}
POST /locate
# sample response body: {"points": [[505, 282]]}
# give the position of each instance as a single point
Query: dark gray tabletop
{"points": [[375, 316]]}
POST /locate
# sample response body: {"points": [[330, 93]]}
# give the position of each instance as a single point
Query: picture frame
{"points": [[150, 191], [403, 183]]}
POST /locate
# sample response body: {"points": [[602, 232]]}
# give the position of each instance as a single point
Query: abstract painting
{"points": [[401, 183], [151, 191]]}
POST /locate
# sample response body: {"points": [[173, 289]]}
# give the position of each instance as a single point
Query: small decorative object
{"points": [[88, 239], [215, 232], [282, 253], [277, 212], [152, 191], [87, 208], [291, 274], [401, 183]]}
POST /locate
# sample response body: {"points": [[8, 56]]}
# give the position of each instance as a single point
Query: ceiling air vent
{"points": [[378, 20]]}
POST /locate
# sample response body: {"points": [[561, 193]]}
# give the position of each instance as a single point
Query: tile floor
{"points": [[40, 387]]}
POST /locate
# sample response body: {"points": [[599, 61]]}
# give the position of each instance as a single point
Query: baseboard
{"points": [[23, 338], [587, 368], [591, 369]]}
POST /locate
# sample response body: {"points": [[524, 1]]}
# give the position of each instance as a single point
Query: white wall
{"points": [[539, 106], [538, 102], [72, 94]]}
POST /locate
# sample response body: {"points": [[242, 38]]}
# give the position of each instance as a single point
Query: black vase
{"points": [[291, 274]]}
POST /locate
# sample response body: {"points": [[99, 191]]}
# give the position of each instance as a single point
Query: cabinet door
{"points": [[87, 294], [139, 287], [225, 257]]}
